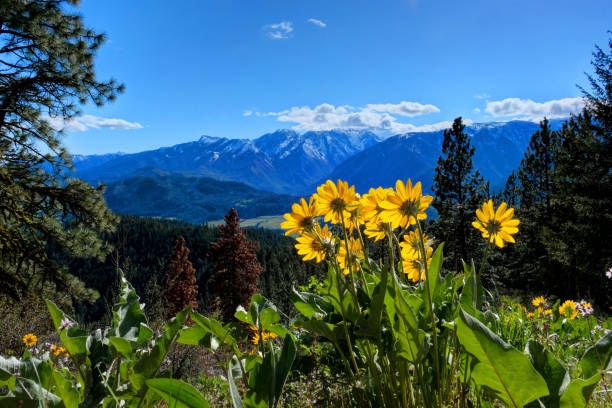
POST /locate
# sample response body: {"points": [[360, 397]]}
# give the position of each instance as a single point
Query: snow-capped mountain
{"points": [[284, 161], [289, 162], [499, 148]]}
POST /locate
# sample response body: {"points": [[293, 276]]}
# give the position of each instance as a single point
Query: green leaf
{"points": [[235, 395], [212, 326], [597, 357], [556, 376], [66, 390], [317, 326], [504, 370], [433, 272], [310, 304], [177, 393], [371, 327], [122, 345], [472, 294], [73, 338], [128, 316], [146, 367], [579, 392], [283, 366]]}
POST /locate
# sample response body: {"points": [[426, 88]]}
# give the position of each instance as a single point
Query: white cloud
{"points": [[477, 110], [379, 118], [403, 108], [482, 96], [530, 110], [85, 122], [317, 22], [247, 112], [279, 30]]}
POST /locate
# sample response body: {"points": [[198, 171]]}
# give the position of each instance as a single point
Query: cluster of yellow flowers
{"points": [[57, 350], [381, 211], [540, 304], [265, 335]]}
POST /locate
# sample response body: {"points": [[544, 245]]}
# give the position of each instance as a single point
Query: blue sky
{"points": [[240, 69]]}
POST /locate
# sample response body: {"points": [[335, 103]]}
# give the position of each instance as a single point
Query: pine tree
{"points": [[46, 69], [181, 289], [236, 268], [459, 190], [532, 264]]}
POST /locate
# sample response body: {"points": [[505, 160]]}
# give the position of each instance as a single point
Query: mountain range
{"points": [[198, 181]]}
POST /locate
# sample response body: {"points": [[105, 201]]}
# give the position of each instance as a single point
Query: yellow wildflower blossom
{"points": [[568, 306], [314, 245], [411, 245], [370, 203], [30, 340], [530, 315], [265, 335], [302, 217], [405, 205], [538, 301], [496, 226], [350, 263], [334, 201], [376, 230]]}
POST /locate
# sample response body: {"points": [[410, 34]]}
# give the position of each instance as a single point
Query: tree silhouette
{"points": [[181, 289], [236, 269]]}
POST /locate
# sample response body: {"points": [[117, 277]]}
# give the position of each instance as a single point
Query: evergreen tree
{"points": [[46, 68], [236, 268], [459, 190], [181, 289]]}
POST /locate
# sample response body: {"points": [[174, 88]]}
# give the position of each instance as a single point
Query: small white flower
{"points": [[609, 273]]}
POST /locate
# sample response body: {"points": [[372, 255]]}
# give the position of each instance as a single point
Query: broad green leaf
{"points": [[177, 393], [214, 327], [262, 384], [235, 395], [26, 389], [317, 326], [29, 368], [283, 365], [66, 390], [122, 345], [73, 338], [597, 357], [556, 376], [128, 315], [310, 304], [504, 370], [472, 294], [371, 327], [197, 336], [433, 272], [148, 364], [579, 391]]}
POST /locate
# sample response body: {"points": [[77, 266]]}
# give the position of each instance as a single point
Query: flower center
{"points": [[409, 208], [307, 223], [493, 227], [337, 205]]}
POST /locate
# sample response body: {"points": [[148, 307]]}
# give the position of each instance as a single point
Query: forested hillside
{"points": [[143, 247]]}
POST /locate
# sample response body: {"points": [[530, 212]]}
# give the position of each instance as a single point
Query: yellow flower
{"points": [[335, 201], [265, 335], [30, 340], [413, 268], [376, 230], [496, 226], [405, 205], [350, 263], [55, 350], [547, 312], [540, 311], [538, 301], [568, 306], [530, 315], [370, 203], [411, 245], [302, 218], [314, 245]]}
